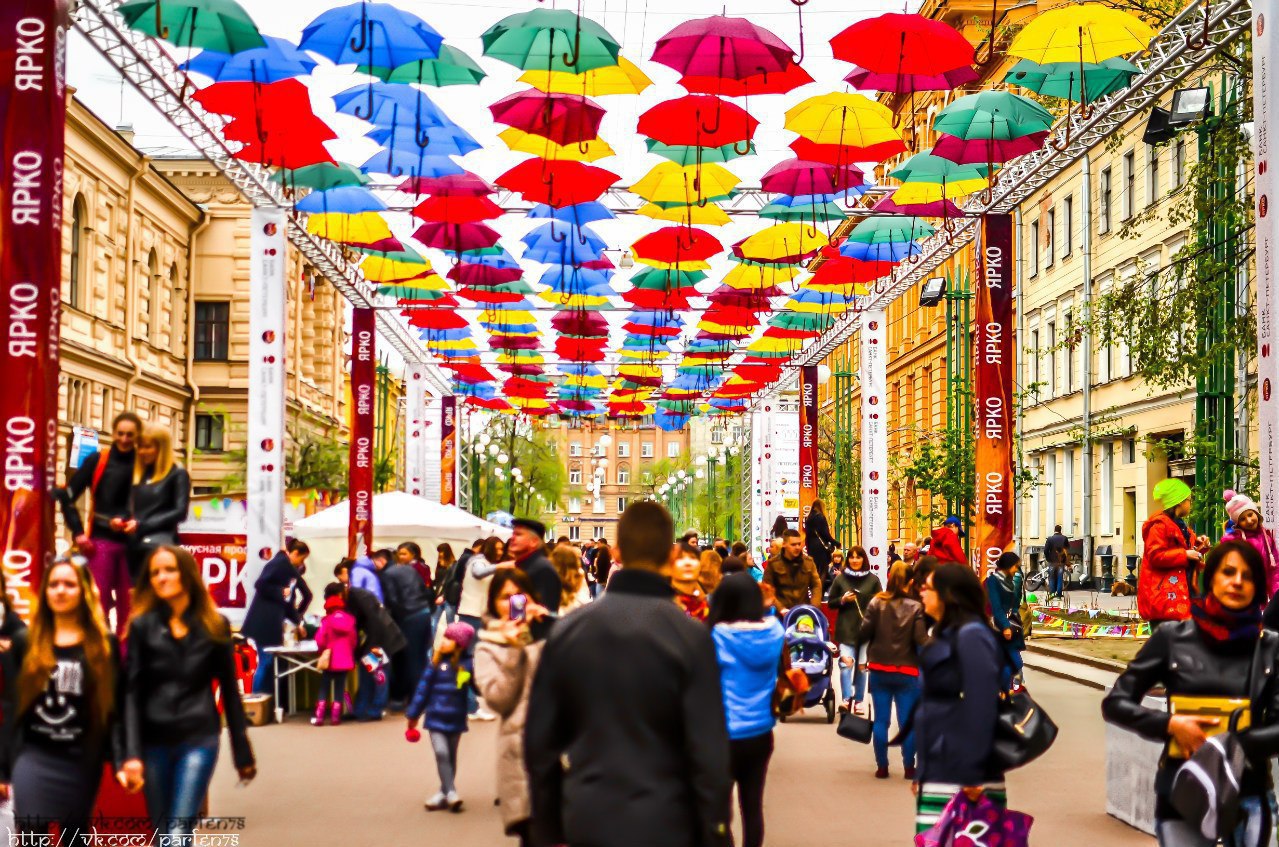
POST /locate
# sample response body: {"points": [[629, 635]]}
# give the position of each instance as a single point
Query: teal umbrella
{"points": [[219, 25], [453, 67], [827, 211], [993, 114], [1063, 79], [686, 155], [894, 229], [321, 177], [550, 40]]}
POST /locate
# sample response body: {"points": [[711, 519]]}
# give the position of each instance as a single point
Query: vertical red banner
{"points": [[807, 440], [360, 463], [448, 450], [993, 392], [33, 103]]}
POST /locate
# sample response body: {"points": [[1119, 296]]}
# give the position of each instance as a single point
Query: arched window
{"points": [[152, 294], [175, 283], [79, 213], [623, 474]]}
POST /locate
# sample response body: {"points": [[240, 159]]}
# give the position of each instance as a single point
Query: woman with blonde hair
{"points": [[574, 591], [64, 722], [161, 495], [179, 645], [710, 574]]}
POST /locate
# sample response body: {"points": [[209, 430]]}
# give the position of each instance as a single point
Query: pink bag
{"points": [[964, 823]]}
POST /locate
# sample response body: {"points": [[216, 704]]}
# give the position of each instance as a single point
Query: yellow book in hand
{"points": [[1220, 708]]}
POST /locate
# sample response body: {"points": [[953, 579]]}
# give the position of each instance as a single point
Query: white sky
{"points": [[636, 24]]}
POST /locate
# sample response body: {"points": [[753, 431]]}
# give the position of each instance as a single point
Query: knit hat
{"points": [[1237, 504], [334, 602], [1171, 492], [460, 634]]}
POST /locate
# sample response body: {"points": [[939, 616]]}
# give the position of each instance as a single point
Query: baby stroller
{"points": [[808, 642]]}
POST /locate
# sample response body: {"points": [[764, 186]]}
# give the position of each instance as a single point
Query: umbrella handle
{"points": [[738, 150], [1206, 36], [1065, 141], [369, 115], [556, 237], [711, 130], [799, 13], [163, 31], [584, 146], [571, 59], [990, 42], [581, 237], [361, 42]]}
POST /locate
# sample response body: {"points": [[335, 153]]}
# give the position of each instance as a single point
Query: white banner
{"points": [[415, 431], [264, 477], [874, 534], [1265, 53], [785, 445], [432, 412], [763, 510]]}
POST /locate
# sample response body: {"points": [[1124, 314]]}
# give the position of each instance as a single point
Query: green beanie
{"points": [[1172, 492]]}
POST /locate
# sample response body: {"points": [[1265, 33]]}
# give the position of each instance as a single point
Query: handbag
{"points": [[1023, 730], [1206, 789], [964, 823], [854, 727], [325, 659], [792, 685]]}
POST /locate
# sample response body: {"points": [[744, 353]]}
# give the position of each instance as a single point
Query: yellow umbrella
{"points": [[843, 118], [639, 371], [645, 355], [427, 282], [500, 316], [526, 142], [708, 215], [672, 183], [573, 301], [451, 344], [769, 344], [1089, 33], [623, 78], [933, 192], [529, 402], [381, 269], [588, 380], [782, 240], [364, 228], [686, 265], [758, 276], [508, 359]]}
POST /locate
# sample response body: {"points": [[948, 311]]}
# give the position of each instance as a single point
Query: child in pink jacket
{"points": [[1247, 517], [338, 636]]}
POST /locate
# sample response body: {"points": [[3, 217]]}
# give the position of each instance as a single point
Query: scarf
{"points": [[849, 572], [694, 605], [1222, 624]]}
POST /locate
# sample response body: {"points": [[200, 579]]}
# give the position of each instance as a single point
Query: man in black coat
{"points": [[528, 548], [625, 740], [275, 601], [380, 635], [409, 602]]}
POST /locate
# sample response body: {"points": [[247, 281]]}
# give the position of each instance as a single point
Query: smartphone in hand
{"points": [[519, 604]]}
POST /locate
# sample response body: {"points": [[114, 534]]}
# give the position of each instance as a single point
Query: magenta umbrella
{"points": [[937, 209], [577, 322], [905, 83], [562, 118], [456, 238], [802, 177], [981, 151], [723, 47]]}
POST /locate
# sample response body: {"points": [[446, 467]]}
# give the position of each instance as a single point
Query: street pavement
{"points": [[364, 784]]}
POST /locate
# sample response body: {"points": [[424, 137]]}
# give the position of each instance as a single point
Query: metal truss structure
{"points": [[1170, 61], [155, 74], [746, 488]]}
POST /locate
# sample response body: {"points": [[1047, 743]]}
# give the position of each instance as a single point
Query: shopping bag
{"points": [[964, 823]]}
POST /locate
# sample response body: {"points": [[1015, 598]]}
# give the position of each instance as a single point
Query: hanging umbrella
{"points": [[450, 67], [590, 150], [936, 209], [708, 215], [346, 229], [847, 120], [454, 237], [1081, 32], [550, 39], [686, 154], [903, 44], [819, 212], [277, 60], [428, 141], [220, 25], [458, 210], [375, 35], [469, 274], [889, 230], [723, 47], [789, 78], [623, 78], [579, 214], [413, 161], [321, 177], [1070, 81], [557, 183], [667, 182], [698, 120], [671, 244], [840, 154], [927, 178], [992, 114], [800, 176], [947, 81], [349, 200], [389, 105], [563, 118], [465, 183], [988, 150], [881, 252], [782, 243]]}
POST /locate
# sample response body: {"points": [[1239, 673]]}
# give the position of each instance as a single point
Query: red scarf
{"points": [[1222, 624], [694, 605]]}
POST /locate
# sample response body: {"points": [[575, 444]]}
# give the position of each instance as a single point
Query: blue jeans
{"points": [[851, 678], [472, 700], [264, 676], [417, 632], [370, 696], [1056, 576], [886, 689], [177, 778], [1256, 821]]}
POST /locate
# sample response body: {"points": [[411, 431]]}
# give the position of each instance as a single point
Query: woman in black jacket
{"points": [[179, 646], [818, 540], [1220, 652], [962, 674], [850, 593], [161, 494], [63, 724]]}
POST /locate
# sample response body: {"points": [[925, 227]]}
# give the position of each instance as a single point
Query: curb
{"points": [[1068, 656], [1059, 674]]}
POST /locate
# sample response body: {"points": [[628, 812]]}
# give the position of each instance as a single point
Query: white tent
{"points": [[397, 517]]}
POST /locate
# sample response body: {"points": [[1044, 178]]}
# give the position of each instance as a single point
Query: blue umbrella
{"points": [[482, 390], [569, 252], [555, 233], [656, 319], [888, 251], [374, 35], [413, 163], [408, 134], [825, 298], [278, 60], [503, 260], [386, 104], [668, 422], [349, 200], [582, 213], [444, 334], [571, 280]]}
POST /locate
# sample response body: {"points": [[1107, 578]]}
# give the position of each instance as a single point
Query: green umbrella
{"points": [[679, 204], [925, 167], [890, 229], [408, 292], [685, 155], [518, 286], [550, 40], [495, 250], [321, 177], [656, 279], [801, 320], [411, 257], [218, 25], [999, 115], [453, 67], [1061, 79], [811, 212]]}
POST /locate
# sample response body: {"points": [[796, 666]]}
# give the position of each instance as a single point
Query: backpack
{"points": [[1206, 788]]}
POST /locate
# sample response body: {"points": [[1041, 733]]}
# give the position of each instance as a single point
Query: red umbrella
{"points": [[522, 370], [777, 82], [578, 322], [557, 183], [895, 43], [845, 154], [574, 349], [754, 299], [648, 298], [723, 315], [437, 319], [469, 372], [454, 185], [719, 46], [645, 329], [698, 120], [799, 177], [386, 245], [562, 118], [758, 373], [493, 404], [456, 237], [484, 295], [937, 209], [467, 273], [981, 151], [603, 263], [677, 244], [872, 81], [463, 209], [842, 271], [519, 387], [514, 342]]}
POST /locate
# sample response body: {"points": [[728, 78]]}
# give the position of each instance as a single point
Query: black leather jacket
{"points": [[159, 507], [169, 687], [1183, 660]]}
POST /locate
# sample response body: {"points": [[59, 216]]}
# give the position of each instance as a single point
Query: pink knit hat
{"points": [[1237, 504], [460, 634]]}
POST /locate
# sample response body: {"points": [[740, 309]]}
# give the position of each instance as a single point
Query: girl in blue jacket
{"points": [[441, 695], [749, 648]]}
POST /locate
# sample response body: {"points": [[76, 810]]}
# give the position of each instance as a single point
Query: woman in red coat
{"points": [[1172, 555], [946, 546]]}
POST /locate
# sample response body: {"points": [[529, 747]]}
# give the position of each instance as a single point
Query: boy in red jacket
{"points": [[946, 546], [1171, 558]]}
